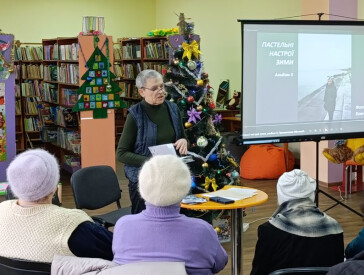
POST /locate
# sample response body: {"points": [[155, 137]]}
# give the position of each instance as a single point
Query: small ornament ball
{"points": [[188, 124], [205, 165], [235, 174], [175, 61], [200, 82], [190, 99], [213, 157], [191, 65], [202, 142], [217, 229], [212, 105], [199, 108]]}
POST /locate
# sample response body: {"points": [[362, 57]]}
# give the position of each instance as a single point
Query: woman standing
{"points": [[153, 121]]}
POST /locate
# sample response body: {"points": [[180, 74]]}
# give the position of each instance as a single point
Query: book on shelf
{"points": [[18, 107], [50, 92], [69, 96], [46, 115], [50, 73], [32, 71], [70, 118]]}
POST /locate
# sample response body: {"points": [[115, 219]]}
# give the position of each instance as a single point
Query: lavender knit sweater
{"points": [[163, 234]]}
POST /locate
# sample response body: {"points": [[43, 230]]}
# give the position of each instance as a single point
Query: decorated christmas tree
{"points": [[99, 91], [188, 86]]}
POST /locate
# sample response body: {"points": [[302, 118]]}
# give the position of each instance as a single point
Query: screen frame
{"points": [[288, 139]]}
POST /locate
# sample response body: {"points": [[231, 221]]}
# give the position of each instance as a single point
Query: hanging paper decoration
{"points": [[99, 92]]}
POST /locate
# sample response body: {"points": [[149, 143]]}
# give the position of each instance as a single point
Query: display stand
{"points": [[318, 190]]}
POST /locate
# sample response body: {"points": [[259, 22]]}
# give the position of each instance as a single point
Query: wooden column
{"points": [[97, 135]]}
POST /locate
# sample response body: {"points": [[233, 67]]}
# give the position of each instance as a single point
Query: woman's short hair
{"points": [[143, 76]]}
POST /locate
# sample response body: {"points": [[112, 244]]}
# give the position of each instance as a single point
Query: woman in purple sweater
{"points": [[160, 232]]}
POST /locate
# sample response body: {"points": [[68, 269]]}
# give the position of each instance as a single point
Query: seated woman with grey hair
{"points": [[32, 228], [160, 232], [298, 234]]}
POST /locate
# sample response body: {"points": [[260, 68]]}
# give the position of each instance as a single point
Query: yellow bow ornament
{"points": [[209, 181], [190, 49]]}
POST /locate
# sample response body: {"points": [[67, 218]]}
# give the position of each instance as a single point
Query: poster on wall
{"points": [[2, 123], [7, 103]]}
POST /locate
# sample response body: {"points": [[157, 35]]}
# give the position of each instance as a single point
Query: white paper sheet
{"points": [[233, 193]]}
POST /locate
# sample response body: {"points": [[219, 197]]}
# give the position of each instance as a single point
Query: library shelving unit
{"points": [[28, 90], [60, 126], [137, 54]]}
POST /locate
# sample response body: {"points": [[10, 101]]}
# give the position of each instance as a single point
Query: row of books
{"points": [[50, 73], [50, 93], [28, 53], [31, 88], [64, 138], [68, 73], [157, 50], [118, 70], [155, 66], [128, 90], [130, 71], [31, 71], [17, 90], [51, 52], [32, 124], [118, 53], [58, 116], [31, 106], [69, 52], [131, 51]]}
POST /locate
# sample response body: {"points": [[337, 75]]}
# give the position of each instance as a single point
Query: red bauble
{"points": [[164, 71], [190, 99], [212, 105]]}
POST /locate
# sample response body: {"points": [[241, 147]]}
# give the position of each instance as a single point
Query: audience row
{"points": [[298, 234]]}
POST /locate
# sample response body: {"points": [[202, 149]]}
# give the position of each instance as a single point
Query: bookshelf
{"points": [[131, 56], [28, 90], [60, 126]]}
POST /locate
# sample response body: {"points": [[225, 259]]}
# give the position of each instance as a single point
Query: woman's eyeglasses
{"points": [[155, 89]]}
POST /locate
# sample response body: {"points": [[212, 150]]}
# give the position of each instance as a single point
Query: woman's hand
{"points": [[181, 146]]}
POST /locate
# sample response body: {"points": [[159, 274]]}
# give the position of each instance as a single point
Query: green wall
{"points": [[32, 20], [216, 23]]}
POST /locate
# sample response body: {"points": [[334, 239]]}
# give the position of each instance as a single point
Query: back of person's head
{"points": [[164, 180], [33, 175], [295, 184], [144, 75]]}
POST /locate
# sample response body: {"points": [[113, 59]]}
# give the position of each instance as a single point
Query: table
{"points": [[236, 209]]}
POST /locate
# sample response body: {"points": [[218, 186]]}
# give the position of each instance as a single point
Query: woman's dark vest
{"points": [[147, 134]]}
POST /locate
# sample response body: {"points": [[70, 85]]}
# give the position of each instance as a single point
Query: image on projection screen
{"points": [[302, 82]]}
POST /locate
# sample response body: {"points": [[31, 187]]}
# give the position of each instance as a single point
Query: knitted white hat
{"points": [[164, 180], [33, 175], [295, 184]]}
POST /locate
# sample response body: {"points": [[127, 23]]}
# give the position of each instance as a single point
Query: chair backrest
{"points": [[9, 195], [95, 187], [11, 266], [301, 270]]}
